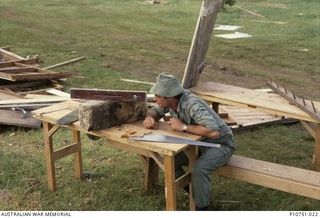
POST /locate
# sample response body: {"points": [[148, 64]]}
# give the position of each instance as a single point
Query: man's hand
{"points": [[150, 123], [176, 124]]}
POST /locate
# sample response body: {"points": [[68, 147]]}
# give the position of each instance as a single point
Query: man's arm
{"points": [[200, 130], [151, 120]]}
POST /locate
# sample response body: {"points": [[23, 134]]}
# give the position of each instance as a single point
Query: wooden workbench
{"points": [[155, 155], [271, 103]]}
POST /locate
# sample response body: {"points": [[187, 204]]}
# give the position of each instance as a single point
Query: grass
{"points": [[129, 39]]}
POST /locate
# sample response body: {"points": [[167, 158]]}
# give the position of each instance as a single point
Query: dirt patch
{"points": [[4, 196], [9, 14]]}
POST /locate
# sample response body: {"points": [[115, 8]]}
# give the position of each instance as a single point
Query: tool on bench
{"points": [[172, 139], [109, 95]]}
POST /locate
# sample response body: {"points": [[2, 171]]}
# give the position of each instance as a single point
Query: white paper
{"points": [[235, 35], [226, 27]]}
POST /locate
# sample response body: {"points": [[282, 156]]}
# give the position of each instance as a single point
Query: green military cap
{"points": [[166, 86]]}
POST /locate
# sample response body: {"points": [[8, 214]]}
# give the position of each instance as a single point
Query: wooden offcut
{"points": [[64, 63], [98, 115]]}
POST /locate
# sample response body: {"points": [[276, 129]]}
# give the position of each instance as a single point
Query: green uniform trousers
{"points": [[209, 160]]}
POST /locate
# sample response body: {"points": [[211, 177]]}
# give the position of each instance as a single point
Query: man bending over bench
{"points": [[193, 115]]}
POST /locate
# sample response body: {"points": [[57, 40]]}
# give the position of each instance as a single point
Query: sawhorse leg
{"points": [[172, 184], [48, 151], [316, 153], [192, 158], [52, 155], [169, 180], [151, 173], [78, 169]]}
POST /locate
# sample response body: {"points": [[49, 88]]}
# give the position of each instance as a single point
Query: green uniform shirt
{"points": [[192, 110]]}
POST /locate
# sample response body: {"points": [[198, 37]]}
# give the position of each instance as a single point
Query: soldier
{"points": [[193, 115]]}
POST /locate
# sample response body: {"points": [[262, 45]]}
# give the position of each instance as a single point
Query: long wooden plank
{"points": [[276, 170], [26, 84], [17, 69], [280, 177], [247, 98], [7, 55], [7, 64], [42, 96], [35, 75], [30, 101], [32, 61], [14, 118]]}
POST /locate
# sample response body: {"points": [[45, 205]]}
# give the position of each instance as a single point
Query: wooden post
{"points": [[169, 178], [77, 155], [151, 173], [316, 153], [48, 150], [200, 42], [192, 159]]}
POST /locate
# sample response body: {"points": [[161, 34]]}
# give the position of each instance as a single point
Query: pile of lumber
{"points": [[20, 74], [15, 109], [24, 87]]}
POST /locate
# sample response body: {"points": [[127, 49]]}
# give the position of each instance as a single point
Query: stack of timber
{"points": [[15, 71], [20, 82], [15, 108], [270, 103], [20, 74], [243, 118], [246, 118]]}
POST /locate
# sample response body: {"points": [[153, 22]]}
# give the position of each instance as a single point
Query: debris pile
{"points": [[21, 87]]}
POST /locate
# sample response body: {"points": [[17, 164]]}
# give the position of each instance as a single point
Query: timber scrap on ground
{"points": [[25, 86]]}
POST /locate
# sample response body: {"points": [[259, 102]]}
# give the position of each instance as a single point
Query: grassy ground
{"points": [[134, 40]]}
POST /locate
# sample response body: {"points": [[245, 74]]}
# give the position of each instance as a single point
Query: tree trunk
{"points": [[200, 42]]}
